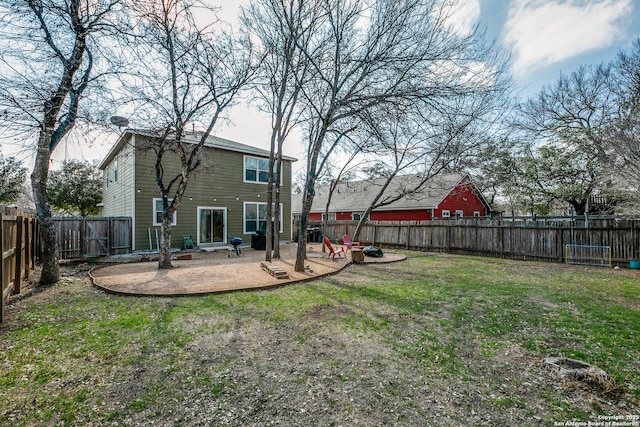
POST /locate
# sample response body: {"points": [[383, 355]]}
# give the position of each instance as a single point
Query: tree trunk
{"points": [[580, 206], [276, 236], [269, 228], [50, 269], [301, 251], [363, 220], [164, 261]]}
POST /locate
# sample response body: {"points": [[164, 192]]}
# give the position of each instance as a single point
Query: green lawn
{"points": [[433, 340]]}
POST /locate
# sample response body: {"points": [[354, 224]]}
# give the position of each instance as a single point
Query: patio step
{"points": [[274, 270]]}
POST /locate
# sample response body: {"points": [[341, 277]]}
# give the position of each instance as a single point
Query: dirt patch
{"points": [[219, 271]]}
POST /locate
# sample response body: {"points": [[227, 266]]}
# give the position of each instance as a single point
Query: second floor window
{"points": [[256, 169]]}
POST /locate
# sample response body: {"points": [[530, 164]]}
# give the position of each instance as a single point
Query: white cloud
{"points": [[544, 32], [463, 15]]}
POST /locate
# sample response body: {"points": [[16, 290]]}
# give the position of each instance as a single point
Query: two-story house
{"points": [[225, 198]]}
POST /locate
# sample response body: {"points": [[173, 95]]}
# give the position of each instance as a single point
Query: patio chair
{"points": [[333, 252], [346, 239]]}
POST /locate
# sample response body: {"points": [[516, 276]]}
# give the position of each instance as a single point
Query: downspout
{"points": [[133, 192]]}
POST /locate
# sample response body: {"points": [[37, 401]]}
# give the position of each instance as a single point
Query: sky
{"points": [[545, 38]]}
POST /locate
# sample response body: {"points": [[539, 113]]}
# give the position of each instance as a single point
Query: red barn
{"points": [[443, 196]]}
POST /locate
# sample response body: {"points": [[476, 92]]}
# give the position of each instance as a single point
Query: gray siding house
{"points": [[225, 198]]}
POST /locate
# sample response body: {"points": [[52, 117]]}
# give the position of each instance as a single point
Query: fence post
{"points": [[83, 225], [18, 258], [375, 232], [27, 247], [559, 245]]}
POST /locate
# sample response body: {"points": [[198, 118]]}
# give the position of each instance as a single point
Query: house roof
{"points": [[357, 196], [212, 141]]}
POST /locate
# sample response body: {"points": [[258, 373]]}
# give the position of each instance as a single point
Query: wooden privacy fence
{"points": [[536, 239], [18, 243], [92, 236]]}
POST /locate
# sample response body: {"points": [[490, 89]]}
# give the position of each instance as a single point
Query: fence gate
{"points": [[96, 238], [93, 237]]}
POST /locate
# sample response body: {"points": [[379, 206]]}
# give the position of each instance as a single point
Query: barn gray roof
{"points": [[357, 196]]}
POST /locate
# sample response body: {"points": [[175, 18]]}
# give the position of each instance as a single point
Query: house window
{"points": [[157, 213], [256, 169], [332, 217], [115, 171], [476, 214], [106, 177], [459, 214], [446, 214], [255, 217], [356, 216]]}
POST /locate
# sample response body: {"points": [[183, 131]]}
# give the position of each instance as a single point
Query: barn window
{"points": [[476, 214], [459, 214], [446, 213], [332, 217]]}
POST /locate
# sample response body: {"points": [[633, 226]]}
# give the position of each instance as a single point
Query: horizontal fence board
{"points": [[538, 238]]}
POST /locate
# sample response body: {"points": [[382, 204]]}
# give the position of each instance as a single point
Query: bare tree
{"points": [[584, 129], [186, 73], [624, 136], [423, 146], [50, 51], [384, 55], [353, 160], [284, 29]]}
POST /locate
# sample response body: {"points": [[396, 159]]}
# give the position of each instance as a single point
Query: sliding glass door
{"points": [[211, 225]]}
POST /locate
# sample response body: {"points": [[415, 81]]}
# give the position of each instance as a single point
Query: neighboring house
{"points": [[225, 198], [444, 196]]}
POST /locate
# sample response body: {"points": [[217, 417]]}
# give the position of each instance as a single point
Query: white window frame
{"points": [[244, 217], [156, 212], [257, 180], [332, 216], [353, 216], [459, 213], [476, 214], [115, 170], [446, 213], [106, 177]]}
